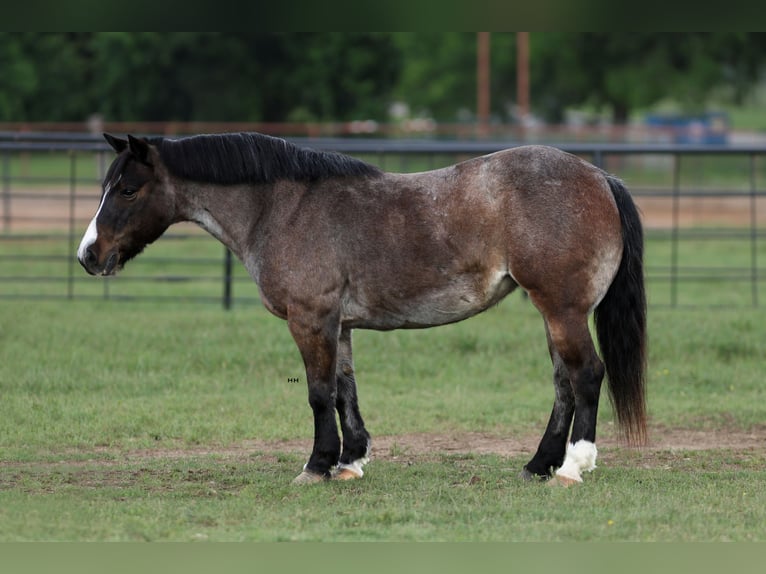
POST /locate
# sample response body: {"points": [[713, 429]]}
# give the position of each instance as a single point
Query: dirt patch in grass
{"points": [[664, 442], [113, 468], [427, 446], [430, 444]]}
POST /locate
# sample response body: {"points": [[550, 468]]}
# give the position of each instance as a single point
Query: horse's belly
{"points": [[457, 303], [458, 300]]}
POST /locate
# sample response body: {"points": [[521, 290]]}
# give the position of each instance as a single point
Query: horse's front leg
{"points": [[317, 340]]}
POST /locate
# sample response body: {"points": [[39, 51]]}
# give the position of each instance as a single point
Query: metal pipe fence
{"points": [[701, 206]]}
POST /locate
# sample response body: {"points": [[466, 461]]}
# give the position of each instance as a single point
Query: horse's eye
{"points": [[128, 193]]}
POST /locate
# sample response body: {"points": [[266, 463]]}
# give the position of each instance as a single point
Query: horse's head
{"points": [[135, 208]]}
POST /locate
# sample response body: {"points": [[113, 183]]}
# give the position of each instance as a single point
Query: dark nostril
{"points": [[90, 260]]}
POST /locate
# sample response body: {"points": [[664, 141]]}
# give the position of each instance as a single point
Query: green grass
{"points": [[452, 498], [96, 396], [714, 268], [33, 168], [149, 361]]}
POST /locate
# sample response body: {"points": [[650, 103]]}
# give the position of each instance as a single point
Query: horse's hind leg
{"points": [[356, 439], [550, 453], [570, 338]]}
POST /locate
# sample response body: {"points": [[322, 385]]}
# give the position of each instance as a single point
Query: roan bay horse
{"points": [[336, 244]]}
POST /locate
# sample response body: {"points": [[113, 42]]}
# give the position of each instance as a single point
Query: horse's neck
{"points": [[228, 213]]}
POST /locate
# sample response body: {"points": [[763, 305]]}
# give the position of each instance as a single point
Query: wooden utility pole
{"points": [[482, 81]]}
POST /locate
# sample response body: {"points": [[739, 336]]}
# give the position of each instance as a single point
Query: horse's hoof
{"points": [[565, 481], [308, 477], [346, 474], [525, 474], [530, 476]]}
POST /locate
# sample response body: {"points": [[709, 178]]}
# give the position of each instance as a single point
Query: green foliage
{"points": [[130, 76], [624, 71], [277, 76], [438, 77], [18, 80]]}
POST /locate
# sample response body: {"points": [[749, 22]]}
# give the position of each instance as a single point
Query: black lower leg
{"points": [[550, 453], [326, 449], [356, 439], [588, 388], [552, 449]]}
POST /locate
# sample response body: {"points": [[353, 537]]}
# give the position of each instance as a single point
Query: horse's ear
{"points": [[117, 144], [139, 147]]}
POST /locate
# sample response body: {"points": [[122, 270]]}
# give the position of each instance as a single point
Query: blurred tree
{"points": [[62, 68], [185, 76], [337, 75], [439, 73], [625, 71], [42, 75], [18, 79], [196, 76], [257, 76], [172, 76]]}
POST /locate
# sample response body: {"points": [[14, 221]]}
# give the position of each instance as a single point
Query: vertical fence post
{"points": [[72, 191], [598, 159], [227, 269], [753, 234], [674, 231], [6, 191]]}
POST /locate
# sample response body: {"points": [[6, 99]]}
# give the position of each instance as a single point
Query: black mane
{"points": [[252, 158]]}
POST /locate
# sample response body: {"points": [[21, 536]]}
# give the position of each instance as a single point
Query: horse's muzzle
{"points": [[91, 264]]}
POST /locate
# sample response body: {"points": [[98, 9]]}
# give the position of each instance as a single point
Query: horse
{"points": [[336, 244]]}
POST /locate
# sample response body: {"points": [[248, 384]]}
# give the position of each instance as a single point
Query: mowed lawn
{"points": [[173, 421]]}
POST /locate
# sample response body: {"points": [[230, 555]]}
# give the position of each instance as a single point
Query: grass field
{"points": [[177, 422]]}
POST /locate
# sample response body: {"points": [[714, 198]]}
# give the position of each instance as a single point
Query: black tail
{"points": [[621, 324]]}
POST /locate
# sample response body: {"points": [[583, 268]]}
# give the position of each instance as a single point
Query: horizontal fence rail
{"points": [[701, 204]]}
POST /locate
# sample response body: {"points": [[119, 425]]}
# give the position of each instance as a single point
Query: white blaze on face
{"points": [[91, 234]]}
